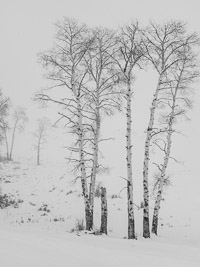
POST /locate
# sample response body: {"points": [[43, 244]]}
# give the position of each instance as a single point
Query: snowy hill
{"points": [[48, 206]]}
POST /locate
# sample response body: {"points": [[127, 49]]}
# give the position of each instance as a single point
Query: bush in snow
{"points": [[7, 201], [44, 207], [79, 226]]}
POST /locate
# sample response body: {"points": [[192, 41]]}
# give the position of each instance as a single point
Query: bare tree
{"points": [[65, 71], [128, 56], [19, 118], [5, 128], [102, 96], [4, 108], [40, 135], [163, 43], [80, 62], [176, 99]]}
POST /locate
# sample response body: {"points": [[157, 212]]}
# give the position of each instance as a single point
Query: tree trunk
{"points": [[39, 145], [146, 231], [104, 211], [88, 211], [13, 138], [160, 186], [154, 229], [88, 214], [131, 222], [38, 155], [95, 156], [6, 139]]}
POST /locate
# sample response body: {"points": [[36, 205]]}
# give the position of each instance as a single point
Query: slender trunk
{"points": [[13, 138], [88, 213], [95, 156], [160, 185], [131, 222], [146, 230], [154, 229], [38, 155], [6, 139], [39, 145], [104, 211]]}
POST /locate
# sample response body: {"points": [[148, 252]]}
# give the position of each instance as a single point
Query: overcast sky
{"points": [[26, 28]]}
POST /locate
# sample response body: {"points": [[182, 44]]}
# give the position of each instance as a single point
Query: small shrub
{"points": [[58, 219], [114, 196], [44, 207], [79, 226], [7, 201]]}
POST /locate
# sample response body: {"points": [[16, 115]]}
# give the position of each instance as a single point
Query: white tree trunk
{"points": [[146, 230], [38, 155], [95, 152], [160, 185], [88, 215], [164, 165], [131, 222]]}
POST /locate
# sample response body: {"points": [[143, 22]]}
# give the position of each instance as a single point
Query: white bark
{"points": [[95, 150], [163, 170], [146, 231], [131, 53], [65, 69], [166, 157], [80, 130], [131, 226], [161, 181]]}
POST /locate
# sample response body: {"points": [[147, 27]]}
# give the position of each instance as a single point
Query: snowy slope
{"points": [[38, 231]]}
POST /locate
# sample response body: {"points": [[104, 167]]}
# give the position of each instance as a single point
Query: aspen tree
{"points": [[66, 73], [128, 56], [162, 42], [19, 118], [4, 109], [40, 136], [177, 100], [102, 96]]}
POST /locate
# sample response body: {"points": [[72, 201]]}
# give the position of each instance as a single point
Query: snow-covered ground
{"points": [[30, 249], [39, 231]]}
